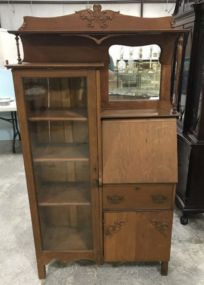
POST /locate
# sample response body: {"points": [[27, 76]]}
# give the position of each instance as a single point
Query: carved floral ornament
{"points": [[114, 228], [161, 227], [97, 16]]}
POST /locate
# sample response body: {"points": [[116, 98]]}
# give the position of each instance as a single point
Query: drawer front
{"points": [[137, 236], [138, 196]]}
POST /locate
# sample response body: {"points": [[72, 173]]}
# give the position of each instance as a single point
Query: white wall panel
{"points": [[158, 10], [127, 9], [11, 15], [8, 48]]}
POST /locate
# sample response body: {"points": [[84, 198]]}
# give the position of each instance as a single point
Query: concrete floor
{"points": [[17, 255]]}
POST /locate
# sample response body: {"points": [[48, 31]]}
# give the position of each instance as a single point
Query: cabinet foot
{"points": [[41, 271], [164, 268]]}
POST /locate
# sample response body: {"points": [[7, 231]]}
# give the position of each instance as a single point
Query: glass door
{"points": [[60, 111]]}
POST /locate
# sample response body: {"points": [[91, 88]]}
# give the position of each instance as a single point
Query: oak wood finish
{"points": [[67, 193], [29, 174], [138, 196], [53, 237], [96, 170], [95, 20], [56, 115], [94, 31], [131, 149], [66, 228], [62, 152], [143, 113], [140, 245], [61, 65]]}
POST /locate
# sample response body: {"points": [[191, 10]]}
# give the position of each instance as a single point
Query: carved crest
{"points": [[97, 16]]}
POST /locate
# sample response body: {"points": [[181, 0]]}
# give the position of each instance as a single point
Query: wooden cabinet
{"points": [[101, 167], [189, 194]]}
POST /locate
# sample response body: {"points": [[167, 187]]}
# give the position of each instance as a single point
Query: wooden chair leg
{"points": [[164, 268]]}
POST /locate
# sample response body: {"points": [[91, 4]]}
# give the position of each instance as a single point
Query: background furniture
{"points": [[189, 194], [12, 112], [101, 174]]}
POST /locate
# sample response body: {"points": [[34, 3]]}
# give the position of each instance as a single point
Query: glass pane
{"points": [[134, 73], [54, 94], [64, 140], [59, 135], [66, 228], [63, 182]]}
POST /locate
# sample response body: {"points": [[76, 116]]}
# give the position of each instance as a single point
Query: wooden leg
{"points": [[41, 271], [99, 258], [164, 268]]}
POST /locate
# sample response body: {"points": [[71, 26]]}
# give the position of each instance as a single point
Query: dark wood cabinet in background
{"points": [[190, 194]]}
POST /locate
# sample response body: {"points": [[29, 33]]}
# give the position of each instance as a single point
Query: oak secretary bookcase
{"points": [[99, 149]]}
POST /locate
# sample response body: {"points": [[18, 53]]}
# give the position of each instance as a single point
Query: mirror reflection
{"points": [[134, 72]]}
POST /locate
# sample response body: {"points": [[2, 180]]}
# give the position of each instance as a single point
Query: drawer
{"points": [[138, 196]]}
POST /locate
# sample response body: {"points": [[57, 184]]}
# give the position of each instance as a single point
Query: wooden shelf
{"points": [[70, 193], [139, 113], [59, 115], [61, 152], [64, 238]]}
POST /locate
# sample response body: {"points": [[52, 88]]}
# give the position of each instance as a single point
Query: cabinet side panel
{"points": [[184, 152], [142, 151]]}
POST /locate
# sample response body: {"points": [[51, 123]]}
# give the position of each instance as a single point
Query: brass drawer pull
{"points": [[115, 199], [159, 198]]}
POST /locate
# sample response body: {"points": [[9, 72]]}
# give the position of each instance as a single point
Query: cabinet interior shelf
{"points": [[59, 115], [65, 238], [70, 193], [61, 152]]}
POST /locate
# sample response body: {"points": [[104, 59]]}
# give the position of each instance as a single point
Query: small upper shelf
{"points": [[142, 113]]}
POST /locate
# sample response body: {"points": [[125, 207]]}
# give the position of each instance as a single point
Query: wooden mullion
{"points": [[93, 150]]}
